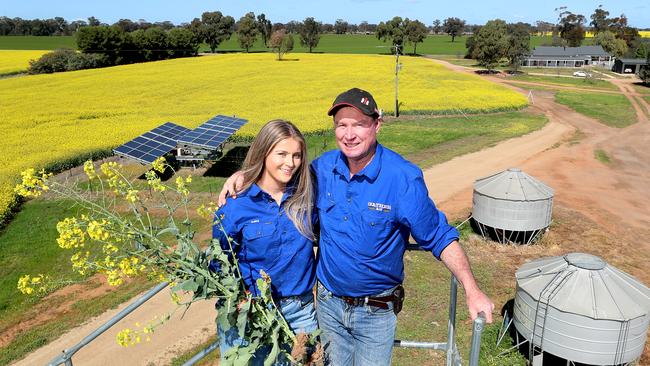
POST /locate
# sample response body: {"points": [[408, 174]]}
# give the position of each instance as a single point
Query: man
{"points": [[369, 201]]}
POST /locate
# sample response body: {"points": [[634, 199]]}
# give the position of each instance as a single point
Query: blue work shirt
{"points": [[267, 240], [366, 220]]}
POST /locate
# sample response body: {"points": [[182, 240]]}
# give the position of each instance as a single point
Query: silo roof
{"points": [[514, 185], [585, 285]]}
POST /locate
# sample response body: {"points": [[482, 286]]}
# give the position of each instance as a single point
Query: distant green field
{"points": [[36, 43], [329, 43]]}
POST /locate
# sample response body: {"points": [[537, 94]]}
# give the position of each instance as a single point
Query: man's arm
{"points": [[455, 259]]}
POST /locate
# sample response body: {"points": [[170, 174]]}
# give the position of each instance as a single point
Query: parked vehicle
{"points": [[581, 74]]}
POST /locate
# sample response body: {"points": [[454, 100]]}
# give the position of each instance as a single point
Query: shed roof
{"points": [[634, 61], [588, 286], [569, 51], [513, 185]]}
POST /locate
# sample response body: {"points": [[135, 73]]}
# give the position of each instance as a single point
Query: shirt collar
{"points": [[255, 192], [370, 171]]}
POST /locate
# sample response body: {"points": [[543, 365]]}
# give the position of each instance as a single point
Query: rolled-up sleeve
{"points": [[428, 225]]}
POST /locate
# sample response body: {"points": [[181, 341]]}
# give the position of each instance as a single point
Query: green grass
{"points": [[589, 83], [329, 43], [611, 110], [602, 156]]}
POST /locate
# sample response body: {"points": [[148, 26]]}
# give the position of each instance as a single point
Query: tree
{"points": [[126, 25], [609, 42], [518, 44], [340, 26], [571, 27], [491, 43], [281, 42], [196, 27], [436, 26], [453, 27], [93, 22], [644, 73], [416, 32], [247, 31], [216, 28], [642, 51], [543, 27], [182, 43], [394, 30], [620, 27], [310, 33], [264, 28], [599, 20]]}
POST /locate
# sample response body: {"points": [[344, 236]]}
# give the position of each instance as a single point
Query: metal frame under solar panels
{"points": [[211, 134], [153, 144]]}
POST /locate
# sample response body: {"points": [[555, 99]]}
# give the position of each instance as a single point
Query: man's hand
{"points": [[477, 302], [231, 187]]}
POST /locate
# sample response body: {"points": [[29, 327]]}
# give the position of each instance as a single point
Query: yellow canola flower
{"points": [[207, 212], [154, 182], [96, 230], [32, 184], [80, 262], [89, 169], [181, 187], [28, 284], [159, 164], [71, 235], [113, 278], [132, 195]]}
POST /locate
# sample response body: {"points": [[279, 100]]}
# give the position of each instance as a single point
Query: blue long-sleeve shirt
{"points": [[267, 240], [366, 220]]}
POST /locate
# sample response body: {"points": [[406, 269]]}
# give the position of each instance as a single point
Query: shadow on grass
{"points": [[229, 163]]}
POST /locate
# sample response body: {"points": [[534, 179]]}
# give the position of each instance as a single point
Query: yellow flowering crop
{"points": [[56, 117], [644, 34], [12, 61]]}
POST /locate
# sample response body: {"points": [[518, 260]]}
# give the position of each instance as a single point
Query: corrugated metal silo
{"points": [[512, 206], [579, 308]]}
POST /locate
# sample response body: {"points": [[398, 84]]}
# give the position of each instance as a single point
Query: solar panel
{"points": [[212, 133], [153, 144]]}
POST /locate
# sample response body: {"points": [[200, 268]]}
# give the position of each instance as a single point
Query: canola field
{"points": [[12, 62], [47, 119]]}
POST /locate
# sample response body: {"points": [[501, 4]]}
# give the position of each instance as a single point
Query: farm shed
{"points": [[546, 56], [629, 65]]}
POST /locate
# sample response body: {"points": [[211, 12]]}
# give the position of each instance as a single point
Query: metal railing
{"points": [[66, 357]]}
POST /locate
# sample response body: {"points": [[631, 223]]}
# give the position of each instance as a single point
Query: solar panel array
{"points": [[153, 144], [212, 133]]}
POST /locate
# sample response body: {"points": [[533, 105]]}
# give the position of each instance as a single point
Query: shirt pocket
{"points": [[376, 229], [260, 244]]}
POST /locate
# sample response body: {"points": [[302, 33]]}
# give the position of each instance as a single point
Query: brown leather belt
{"points": [[379, 301]]}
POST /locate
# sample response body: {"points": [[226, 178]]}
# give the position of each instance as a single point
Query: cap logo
{"points": [[365, 101]]}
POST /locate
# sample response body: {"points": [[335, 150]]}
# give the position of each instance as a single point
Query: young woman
{"points": [[271, 222]]}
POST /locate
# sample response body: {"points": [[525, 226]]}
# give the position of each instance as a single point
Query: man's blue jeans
{"points": [[298, 311], [355, 335]]}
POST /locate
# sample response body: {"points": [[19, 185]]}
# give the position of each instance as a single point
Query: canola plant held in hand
{"points": [[122, 243]]}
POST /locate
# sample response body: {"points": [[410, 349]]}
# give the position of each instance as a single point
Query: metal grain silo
{"points": [[512, 206], [581, 309]]}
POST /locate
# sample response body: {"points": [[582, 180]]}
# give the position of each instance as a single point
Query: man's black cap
{"points": [[357, 98]]}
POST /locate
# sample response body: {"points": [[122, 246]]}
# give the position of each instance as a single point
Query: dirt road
{"points": [[614, 195]]}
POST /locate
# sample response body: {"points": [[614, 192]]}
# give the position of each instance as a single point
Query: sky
{"points": [[352, 11]]}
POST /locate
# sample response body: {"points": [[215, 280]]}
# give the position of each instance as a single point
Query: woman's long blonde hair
{"points": [[300, 206]]}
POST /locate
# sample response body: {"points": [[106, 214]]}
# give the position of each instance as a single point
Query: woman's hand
{"points": [[231, 187]]}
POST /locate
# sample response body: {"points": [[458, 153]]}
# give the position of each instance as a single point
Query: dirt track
{"points": [[615, 196]]}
